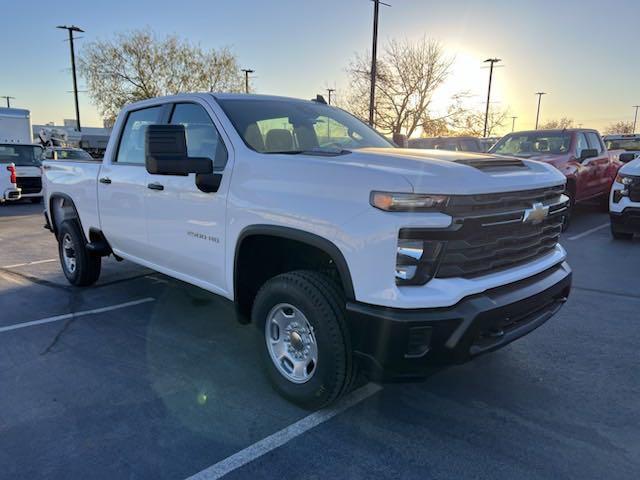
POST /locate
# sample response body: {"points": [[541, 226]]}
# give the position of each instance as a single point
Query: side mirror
{"points": [[627, 157], [166, 152], [588, 153]]}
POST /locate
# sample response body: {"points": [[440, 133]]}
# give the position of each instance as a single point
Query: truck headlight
{"points": [[624, 180], [416, 261], [407, 202]]}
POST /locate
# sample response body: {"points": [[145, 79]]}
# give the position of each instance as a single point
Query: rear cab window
{"points": [[594, 142], [131, 147], [21, 155]]}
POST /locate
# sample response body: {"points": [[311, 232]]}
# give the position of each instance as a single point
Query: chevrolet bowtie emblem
{"points": [[536, 214]]}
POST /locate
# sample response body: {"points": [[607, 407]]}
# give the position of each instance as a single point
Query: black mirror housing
{"points": [[627, 157], [166, 152], [588, 153]]}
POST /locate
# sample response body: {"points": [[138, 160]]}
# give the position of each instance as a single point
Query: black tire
{"points": [[36, 199], [617, 235], [87, 264], [322, 302]]}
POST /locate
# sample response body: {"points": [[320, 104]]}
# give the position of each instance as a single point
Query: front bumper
{"points": [[627, 221], [11, 194], [392, 342]]}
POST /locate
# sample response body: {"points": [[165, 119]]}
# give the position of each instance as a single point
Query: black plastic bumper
{"points": [[628, 221], [392, 343]]}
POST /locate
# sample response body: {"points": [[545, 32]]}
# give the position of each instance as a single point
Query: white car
{"points": [[342, 249], [624, 201], [9, 191]]}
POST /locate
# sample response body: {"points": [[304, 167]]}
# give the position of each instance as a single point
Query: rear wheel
{"points": [[80, 266], [307, 348]]}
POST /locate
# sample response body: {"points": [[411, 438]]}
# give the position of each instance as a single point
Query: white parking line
{"points": [[588, 232], [285, 435], [37, 262], [66, 316]]}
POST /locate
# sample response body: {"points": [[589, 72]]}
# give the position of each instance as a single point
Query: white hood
{"points": [[438, 171], [631, 168]]}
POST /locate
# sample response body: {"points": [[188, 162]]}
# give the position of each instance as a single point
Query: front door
{"points": [[122, 186], [186, 226]]}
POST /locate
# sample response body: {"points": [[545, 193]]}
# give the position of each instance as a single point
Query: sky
{"points": [[582, 52]]}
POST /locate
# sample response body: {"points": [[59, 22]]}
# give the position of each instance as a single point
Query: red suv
{"points": [[580, 154]]}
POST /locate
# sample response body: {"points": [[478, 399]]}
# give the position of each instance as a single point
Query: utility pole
{"points": [[635, 118], [247, 71], [71, 29], [8, 99], [330, 91], [513, 123], [539, 100], [374, 53], [491, 62]]}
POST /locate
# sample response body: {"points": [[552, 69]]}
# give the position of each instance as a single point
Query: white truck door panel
{"points": [[186, 226], [122, 186]]}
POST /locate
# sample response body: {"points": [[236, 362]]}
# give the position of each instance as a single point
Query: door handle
{"points": [[155, 186], [105, 180]]}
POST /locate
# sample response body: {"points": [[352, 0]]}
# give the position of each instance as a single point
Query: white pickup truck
{"points": [[348, 254]]}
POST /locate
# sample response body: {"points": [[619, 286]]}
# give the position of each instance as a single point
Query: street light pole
{"points": [[538, 112], [635, 118], [247, 71], [491, 61], [330, 91], [71, 29], [513, 123], [8, 98], [374, 53]]}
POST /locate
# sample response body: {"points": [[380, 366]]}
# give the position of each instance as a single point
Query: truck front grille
{"points": [[634, 190], [495, 231], [29, 184]]}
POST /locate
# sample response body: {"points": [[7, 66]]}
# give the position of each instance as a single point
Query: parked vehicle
{"points": [[488, 142], [455, 144], [346, 253], [626, 143], [17, 148], [578, 153], [9, 191], [66, 153], [624, 202]]}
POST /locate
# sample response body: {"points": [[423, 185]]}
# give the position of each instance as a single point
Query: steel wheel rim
{"points": [[291, 343], [68, 253]]}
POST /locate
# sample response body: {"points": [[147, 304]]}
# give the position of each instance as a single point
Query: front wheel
{"points": [[306, 344], [566, 219], [80, 266]]}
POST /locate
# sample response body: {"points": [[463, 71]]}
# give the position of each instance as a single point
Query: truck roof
{"points": [[14, 112], [556, 130]]}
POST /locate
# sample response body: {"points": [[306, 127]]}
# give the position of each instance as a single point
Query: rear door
{"points": [[601, 177], [586, 185], [186, 225], [122, 186]]}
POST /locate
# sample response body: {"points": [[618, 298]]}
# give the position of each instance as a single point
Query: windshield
{"points": [[69, 154], [21, 155], [629, 144], [533, 143], [281, 126]]}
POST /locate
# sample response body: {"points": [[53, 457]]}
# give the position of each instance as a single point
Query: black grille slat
{"points": [[634, 190], [29, 184], [491, 235]]}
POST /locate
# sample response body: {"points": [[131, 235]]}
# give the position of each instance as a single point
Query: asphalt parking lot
{"points": [[157, 379]]}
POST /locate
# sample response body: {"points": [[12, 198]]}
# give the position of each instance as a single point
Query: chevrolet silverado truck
{"points": [[347, 253], [580, 154], [624, 203]]}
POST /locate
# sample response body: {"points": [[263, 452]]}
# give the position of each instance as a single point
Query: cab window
{"points": [[581, 144], [594, 141], [131, 149], [203, 139]]}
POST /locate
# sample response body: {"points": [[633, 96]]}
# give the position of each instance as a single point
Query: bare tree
{"points": [[408, 74], [137, 65], [619, 127], [471, 122], [559, 124]]}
